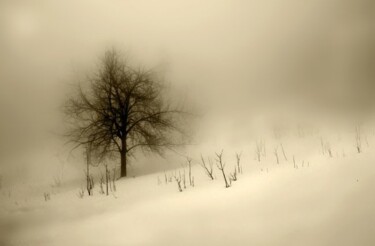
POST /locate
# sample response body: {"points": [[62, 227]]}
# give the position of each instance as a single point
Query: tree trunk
{"points": [[123, 158], [123, 164]]}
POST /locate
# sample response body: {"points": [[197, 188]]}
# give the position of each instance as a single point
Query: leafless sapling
{"points": [[184, 179], [238, 162], [323, 145], [233, 176], [282, 149], [178, 180], [165, 178], [189, 163], [89, 180], [260, 149], [221, 165], [208, 168], [114, 179], [358, 139], [276, 155], [101, 184]]}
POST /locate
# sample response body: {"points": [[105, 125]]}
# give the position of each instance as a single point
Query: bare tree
{"points": [[221, 165], [123, 109], [208, 168]]}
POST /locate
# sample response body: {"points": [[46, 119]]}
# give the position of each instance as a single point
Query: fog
{"points": [[247, 68], [239, 62]]}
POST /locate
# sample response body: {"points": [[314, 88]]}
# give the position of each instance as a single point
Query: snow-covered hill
{"points": [[318, 200]]}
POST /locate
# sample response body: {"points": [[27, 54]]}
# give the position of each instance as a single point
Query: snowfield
{"points": [[327, 201]]}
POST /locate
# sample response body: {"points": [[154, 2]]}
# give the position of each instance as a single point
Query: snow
{"points": [[329, 201]]}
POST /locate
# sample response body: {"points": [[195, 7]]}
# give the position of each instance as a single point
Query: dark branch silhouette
{"points": [[123, 109]]}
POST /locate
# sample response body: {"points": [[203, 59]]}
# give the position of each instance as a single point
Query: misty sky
{"points": [[235, 59]]}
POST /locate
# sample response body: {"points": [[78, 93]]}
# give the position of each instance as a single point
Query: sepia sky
{"points": [[235, 59]]}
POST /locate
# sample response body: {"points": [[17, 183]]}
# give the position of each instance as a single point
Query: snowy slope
{"points": [[328, 201]]}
